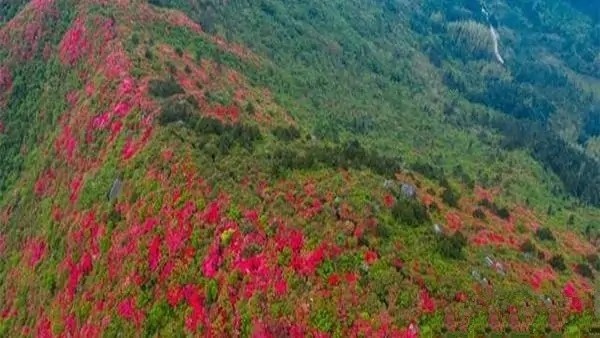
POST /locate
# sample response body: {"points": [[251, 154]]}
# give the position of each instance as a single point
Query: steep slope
{"points": [[439, 56], [160, 180]]}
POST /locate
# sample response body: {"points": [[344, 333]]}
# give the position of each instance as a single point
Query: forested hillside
{"points": [[272, 168], [544, 83]]}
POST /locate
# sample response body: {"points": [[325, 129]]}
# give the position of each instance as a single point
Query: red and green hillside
{"points": [[161, 180]]}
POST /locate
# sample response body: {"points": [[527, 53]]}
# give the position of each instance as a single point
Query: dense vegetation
{"points": [[539, 88], [376, 168]]}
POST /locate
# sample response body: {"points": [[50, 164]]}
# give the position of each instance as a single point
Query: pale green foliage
{"points": [[472, 36]]}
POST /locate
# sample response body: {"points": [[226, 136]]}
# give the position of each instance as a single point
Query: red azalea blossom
{"points": [[281, 287], [43, 183], [427, 303], [370, 257], [75, 187], [389, 200], [398, 263], [154, 253], [211, 262], [453, 221], [351, 277], [569, 290], [101, 121], [427, 200], [35, 250], [128, 150], [85, 263], [115, 129], [229, 113], [122, 109], [296, 240], [66, 144], [174, 296], [126, 87], [251, 216], [461, 297], [128, 310], [411, 332], [575, 305], [195, 300], [74, 44], [44, 329], [70, 325], [5, 79], [212, 213]]}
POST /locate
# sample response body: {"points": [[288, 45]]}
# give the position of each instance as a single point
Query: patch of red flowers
{"points": [[35, 251], [453, 221], [389, 200], [75, 188], [370, 257], [128, 310], [5, 79], [43, 183], [129, 150], [575, 303], [426, 302], [154, 253], [195, 300], [461, 297], [212, 213], [226, 113], [74, 43], [66, 144]]}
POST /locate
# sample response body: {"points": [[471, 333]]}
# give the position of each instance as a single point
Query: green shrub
{"points": [[164, 88], [558, 263], [175, 111], [478, 213], [451, 197], [323, 319], [158, 317], [545, 234], [584, 270], [286, 134], [410, 212], [452, 246], [179, 51], [594, 261], [250, 109], [212, 291], [529, 247], [501, 212]]}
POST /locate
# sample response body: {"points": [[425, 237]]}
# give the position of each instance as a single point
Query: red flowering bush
{"points": [[128, 310], [75, 43], [35, 251], [5, 79], [66, 144]]}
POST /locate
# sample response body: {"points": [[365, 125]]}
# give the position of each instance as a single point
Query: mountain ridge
{"points": [[164, 178]]}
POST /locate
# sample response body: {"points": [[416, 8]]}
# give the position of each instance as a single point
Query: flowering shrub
{"points": [[5, 80], [35, 251], [75, 43], [66, 144], [128, 310], [237, 252]]}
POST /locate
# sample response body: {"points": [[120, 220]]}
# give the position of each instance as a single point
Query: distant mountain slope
{"points": [[386, 52], [274, 169]]}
